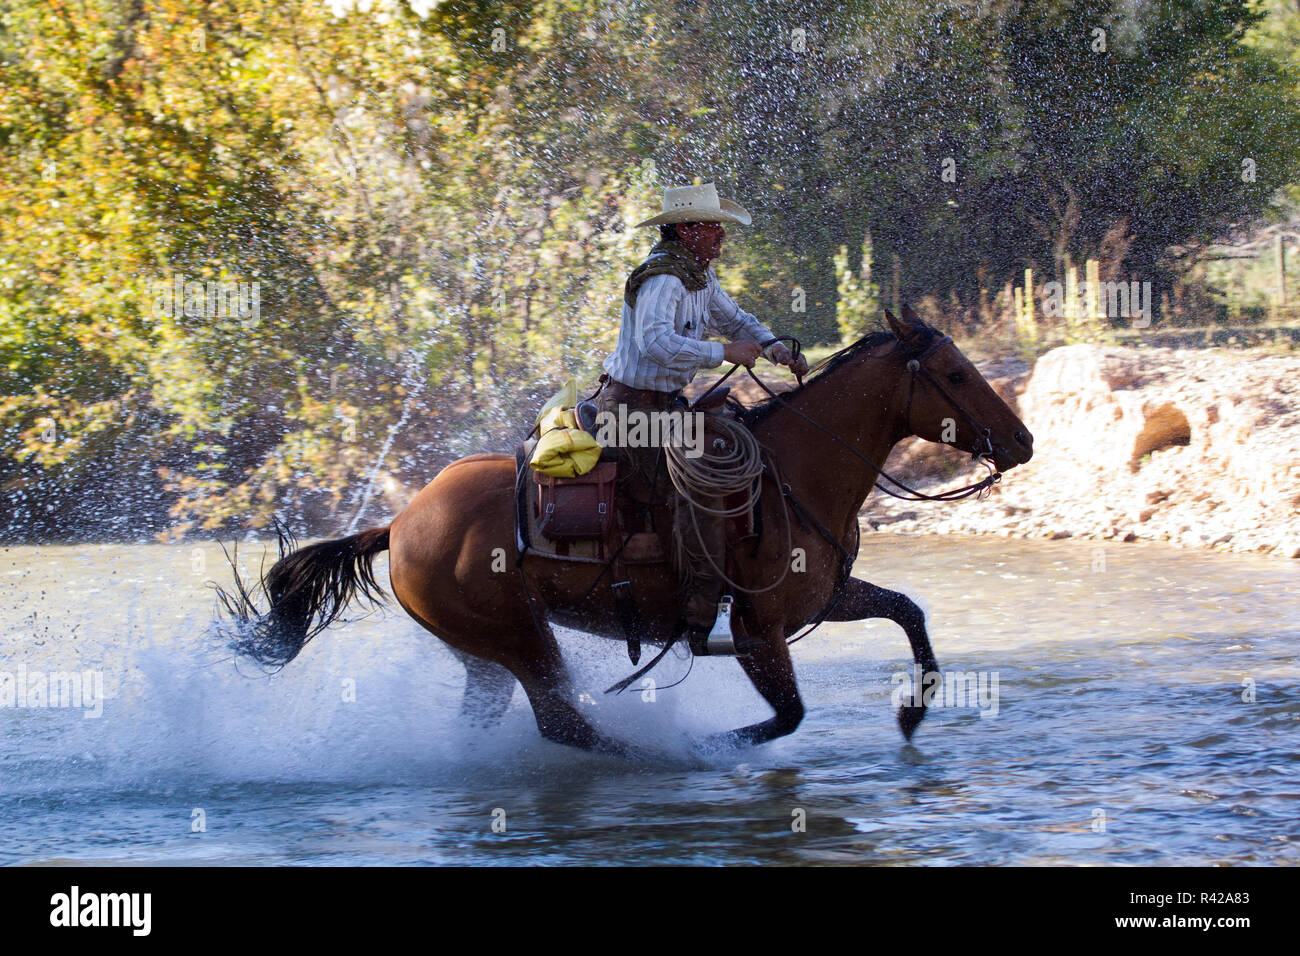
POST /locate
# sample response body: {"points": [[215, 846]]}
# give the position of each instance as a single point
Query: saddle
{"points": [[585, 518]]}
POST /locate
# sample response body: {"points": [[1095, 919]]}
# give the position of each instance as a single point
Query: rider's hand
{"points": [[781, 355], [741, 353]]}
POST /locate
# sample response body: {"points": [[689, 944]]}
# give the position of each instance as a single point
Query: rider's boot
{"points": [[712, 625], [706, 630]]}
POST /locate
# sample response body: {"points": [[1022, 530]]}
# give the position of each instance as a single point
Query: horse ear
{"points": [[898, 328], [911, 318]]}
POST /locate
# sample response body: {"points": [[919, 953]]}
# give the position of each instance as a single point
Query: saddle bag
{"points": [[581, 507]]}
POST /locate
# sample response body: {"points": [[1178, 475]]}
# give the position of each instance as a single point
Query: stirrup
{"points": [[719, 640]]}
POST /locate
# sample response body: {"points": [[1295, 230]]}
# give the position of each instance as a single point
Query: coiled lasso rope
{"points": [[716, 475]]}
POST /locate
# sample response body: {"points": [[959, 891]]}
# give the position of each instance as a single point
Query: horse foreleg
{"points": [[772, 673], [861, 600]]}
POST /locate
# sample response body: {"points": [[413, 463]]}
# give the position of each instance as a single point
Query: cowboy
{"points": [[670, 303]]}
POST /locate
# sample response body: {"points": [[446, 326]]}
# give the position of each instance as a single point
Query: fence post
{"points": [[1093, 292], [1023, 310], [1029, 296], [1071, 301], [1279, 247], [898, 272]]}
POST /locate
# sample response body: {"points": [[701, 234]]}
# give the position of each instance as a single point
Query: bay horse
{"points": [[828, 437]]}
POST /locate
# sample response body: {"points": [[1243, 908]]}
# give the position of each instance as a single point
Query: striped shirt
{"points": [[661, 346]]}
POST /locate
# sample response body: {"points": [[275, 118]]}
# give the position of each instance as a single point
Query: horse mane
{"points": [[915, 345]]}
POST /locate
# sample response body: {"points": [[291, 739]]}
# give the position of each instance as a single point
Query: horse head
{"points": [[948, 401]]}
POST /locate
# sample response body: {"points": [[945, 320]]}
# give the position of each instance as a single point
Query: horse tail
{"points": [[305, 592]]}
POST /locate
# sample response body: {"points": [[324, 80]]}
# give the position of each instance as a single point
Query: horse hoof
{"points": [[908, 719], [713, 743], [622, 751]]}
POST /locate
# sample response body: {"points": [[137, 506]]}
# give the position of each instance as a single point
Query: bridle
{"points": [[983, 451]]}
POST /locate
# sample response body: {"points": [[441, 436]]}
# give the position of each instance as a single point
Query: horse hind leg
{"points": [[489, 688], [541, 670], [526, 651], [861, 600], [497, 655]]}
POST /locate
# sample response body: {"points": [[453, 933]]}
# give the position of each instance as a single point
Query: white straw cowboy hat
{"points": [[697, 204]]}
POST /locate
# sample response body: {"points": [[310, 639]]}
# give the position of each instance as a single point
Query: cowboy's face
{"points": [[704, 239]]}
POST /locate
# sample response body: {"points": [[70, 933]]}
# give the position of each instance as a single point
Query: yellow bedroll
{"points": [[564, 449]]}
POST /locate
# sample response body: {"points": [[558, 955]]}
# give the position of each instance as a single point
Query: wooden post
{"points": [[1280, 249], [1030, 319], [1071, 300], [1026, 327], [1017, 312], [1092, 297], [897, 282]]}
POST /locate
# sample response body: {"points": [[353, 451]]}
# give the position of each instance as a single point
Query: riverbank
{"points": [[1197, 448]]}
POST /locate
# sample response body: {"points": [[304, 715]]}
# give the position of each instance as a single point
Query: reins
{"points": [[915, 366]]}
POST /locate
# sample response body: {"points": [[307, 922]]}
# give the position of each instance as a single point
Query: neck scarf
{"points": [[671, 257]]}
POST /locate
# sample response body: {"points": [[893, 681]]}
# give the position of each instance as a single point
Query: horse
{"points": [[827, 438]]}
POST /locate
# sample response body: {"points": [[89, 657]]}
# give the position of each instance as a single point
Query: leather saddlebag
{"points": [[581, 507]]}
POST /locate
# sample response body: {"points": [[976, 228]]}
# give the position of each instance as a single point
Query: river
{"points": [[1141, 705]]}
